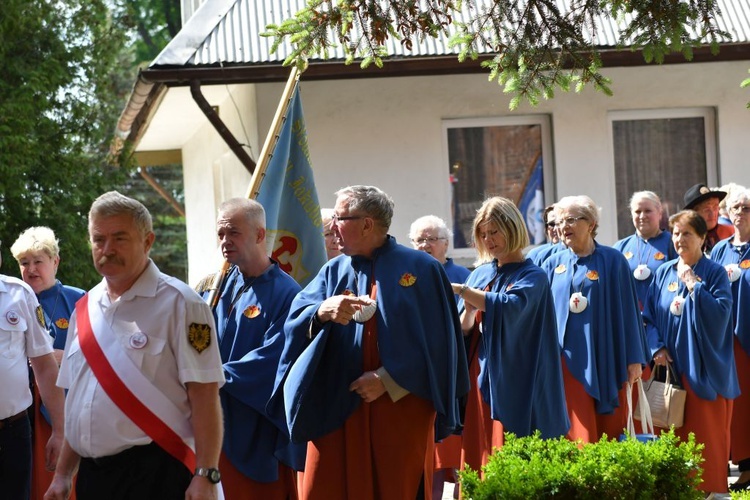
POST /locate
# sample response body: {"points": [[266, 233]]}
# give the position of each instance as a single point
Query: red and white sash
{"points": [[129, 389]]}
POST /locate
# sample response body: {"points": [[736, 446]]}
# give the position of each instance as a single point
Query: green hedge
{"points": [[532, 467]]}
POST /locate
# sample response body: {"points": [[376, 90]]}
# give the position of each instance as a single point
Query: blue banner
{"points": [[293, 223], [531, 205]]}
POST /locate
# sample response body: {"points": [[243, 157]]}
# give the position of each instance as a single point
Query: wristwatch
{"points": [[210, 473]]}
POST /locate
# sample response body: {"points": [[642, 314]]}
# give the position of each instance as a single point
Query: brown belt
{"points": [[8, 421]]}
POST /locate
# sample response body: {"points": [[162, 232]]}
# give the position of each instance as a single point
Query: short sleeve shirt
{"points": [[23, 335], [164, 310]]}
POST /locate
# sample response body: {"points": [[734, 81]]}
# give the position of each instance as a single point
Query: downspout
{"points": [[213, 117]]}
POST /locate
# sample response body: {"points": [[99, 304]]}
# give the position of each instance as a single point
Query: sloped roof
{"points": [[222, 44], [234, 38]]}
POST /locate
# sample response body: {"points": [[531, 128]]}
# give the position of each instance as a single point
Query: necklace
{"points": [[578, 302]]}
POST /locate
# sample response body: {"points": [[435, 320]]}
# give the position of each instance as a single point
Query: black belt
{"points": [[125, 456], [7, 422]]}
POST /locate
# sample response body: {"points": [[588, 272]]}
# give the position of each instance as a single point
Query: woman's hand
{"points": [[662, 357]]}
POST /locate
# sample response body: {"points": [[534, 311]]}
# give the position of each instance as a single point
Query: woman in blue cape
{"points": [[649, 247], [734, 255], [688, 315], [514, 356], [540, 253], [599, 325]]}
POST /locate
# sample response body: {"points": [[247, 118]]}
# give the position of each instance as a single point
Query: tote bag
{"points": [[665, 399]]}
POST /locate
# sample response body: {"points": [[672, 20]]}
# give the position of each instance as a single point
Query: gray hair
{"points": [[369, 200], [36, 239], [737, 196], [326, 217], [582, 206], [645, 195], [112, 203], [254, 211], [430, 221]]}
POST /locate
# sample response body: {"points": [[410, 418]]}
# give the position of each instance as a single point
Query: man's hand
{"points": [[201, 489], [368, 386], [341, 308], [59, 488]]}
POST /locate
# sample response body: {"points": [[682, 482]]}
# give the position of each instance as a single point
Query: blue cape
{"points": [[700, 340], [251, 338], [600, 342], [541, 253], [520, 374], [58, 302], [419, 340], [725, 253], [653, 252]]}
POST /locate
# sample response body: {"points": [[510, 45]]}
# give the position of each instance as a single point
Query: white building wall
{"points": [[212, 174], [388, 132]]}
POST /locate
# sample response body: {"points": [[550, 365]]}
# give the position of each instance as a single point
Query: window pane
{"points": [[664, 155], [504, 160]]}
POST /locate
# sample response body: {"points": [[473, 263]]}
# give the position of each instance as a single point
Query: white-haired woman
{"points": [[431, 234], [649, 247], [599, 324]]}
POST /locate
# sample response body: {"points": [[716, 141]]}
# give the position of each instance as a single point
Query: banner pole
{"points": [[266, 153]]}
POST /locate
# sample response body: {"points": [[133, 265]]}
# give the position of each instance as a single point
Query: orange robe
{"points": [[710, 422], [740, 435], [380, 452], [238, 486], [585, 423], [40, 476]]}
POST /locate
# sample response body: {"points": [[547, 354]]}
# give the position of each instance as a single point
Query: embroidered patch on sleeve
{"points": [[199, 336], [40, 316]]}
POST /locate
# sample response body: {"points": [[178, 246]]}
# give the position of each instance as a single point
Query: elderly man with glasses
{"points": [[381, 357]]}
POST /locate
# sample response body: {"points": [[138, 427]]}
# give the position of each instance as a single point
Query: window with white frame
{"points": [[665, 151], [507, 156]]}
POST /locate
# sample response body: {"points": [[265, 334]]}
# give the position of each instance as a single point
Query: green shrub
{"points": [[532, 467]]}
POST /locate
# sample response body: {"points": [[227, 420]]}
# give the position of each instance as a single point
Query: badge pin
{"points": [[407, 279], [628, 255], [658, 256], [12, 317], [745, 264], [672, 287], [642, 272], [560, 269], [592, 275], [138, 340], [578, 303]]}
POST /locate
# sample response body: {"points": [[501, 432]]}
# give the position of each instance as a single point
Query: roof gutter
{"points": [[221, 128]]}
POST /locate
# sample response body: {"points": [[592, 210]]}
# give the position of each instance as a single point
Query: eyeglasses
{"points": [[740, 209], [569, 221], [338, 218], [550, 225], [431, 241]]}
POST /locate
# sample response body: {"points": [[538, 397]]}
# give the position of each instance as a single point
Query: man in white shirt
{"points": [[24, 336], [143, 370]]}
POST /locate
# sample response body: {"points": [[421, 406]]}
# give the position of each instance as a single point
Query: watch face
{"points": [[214, 475]]}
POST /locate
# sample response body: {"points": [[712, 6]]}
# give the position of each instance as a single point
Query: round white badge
{"points": [[12, 317], [365, 312], [733, 272], [138, 340], [677, 305], [642, 272], [578, 303]]}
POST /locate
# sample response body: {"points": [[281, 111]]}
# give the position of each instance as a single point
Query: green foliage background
{"points": [[68, 68]]}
